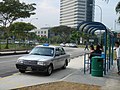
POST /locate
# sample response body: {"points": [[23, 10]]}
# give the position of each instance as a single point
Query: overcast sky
{"points": [[48, 12]]}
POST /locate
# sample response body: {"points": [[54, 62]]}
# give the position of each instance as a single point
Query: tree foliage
{"points": [[75, 36], [2, 32], [66, 34], [21, 30], [61, 32], [11, 10]]}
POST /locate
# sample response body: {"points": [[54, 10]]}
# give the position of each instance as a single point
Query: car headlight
{"points": [[20, 61], [41, 63]]}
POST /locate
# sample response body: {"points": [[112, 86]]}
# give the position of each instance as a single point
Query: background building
{"points": [[73, 12], [42, 32]]}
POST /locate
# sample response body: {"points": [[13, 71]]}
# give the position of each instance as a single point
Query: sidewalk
{"points": [[111, 81]]}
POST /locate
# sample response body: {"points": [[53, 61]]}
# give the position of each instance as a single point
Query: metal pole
{"points": [[115, 25], [100, 19], [84, 62], [105, 50], [32, 19], [112, 51], [28, 32], [100, 13], [109, 51]]}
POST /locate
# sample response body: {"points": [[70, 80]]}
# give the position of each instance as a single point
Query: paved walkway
{"points": [[111, 81]]}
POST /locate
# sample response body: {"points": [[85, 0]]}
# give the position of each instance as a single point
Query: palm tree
{"points": [[118, 10]]}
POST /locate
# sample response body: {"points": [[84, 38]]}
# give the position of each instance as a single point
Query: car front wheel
{"points": [[49, 70], [22, 71]]}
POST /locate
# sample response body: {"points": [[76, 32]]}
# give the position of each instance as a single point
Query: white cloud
{"points": [[47, 12], [46, 6]]}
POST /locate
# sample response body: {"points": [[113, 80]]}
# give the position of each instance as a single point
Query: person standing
{"points": [[98, 50], [91, 51], [118, 56], [91, 55], [86, 46]]}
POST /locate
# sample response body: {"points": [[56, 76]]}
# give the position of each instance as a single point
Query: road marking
{"points": [[69, 75], [11, 56], [15, 74], [7, 61]]}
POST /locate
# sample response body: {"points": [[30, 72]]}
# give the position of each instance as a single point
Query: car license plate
{"points": [[29, 68]]}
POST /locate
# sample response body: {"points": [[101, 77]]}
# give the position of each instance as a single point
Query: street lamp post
{"points": [[100, 19], [33, 19], [30, 23], [115, 25], [101, 22], [101, 13]]}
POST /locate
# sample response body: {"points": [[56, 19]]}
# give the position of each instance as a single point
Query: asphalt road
{"points": [[7, 63]]}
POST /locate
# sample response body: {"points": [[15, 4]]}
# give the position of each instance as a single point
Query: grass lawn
{"points": [[61, 86]]}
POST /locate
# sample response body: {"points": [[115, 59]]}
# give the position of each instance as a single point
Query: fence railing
{"points": [[87, 63]]}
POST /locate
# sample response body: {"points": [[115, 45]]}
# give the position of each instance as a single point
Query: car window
{"points": [[58, 50], [62, 51], [45, 51]]}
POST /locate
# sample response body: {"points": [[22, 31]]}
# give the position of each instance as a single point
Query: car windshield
{"points": [[44, 51]]}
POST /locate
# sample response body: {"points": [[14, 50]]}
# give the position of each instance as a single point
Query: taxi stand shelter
{"points": [[90, 28]]}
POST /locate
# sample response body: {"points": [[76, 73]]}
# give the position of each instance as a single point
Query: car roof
{"points": [[51, 46]]}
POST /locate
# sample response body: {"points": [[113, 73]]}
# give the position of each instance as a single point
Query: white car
{"points": [[43, 58], [72, 45], [62, 44], [67, 44]]}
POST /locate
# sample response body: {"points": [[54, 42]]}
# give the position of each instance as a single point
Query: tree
{"points": [[56, 39], [62, 32], [75, 36], [43, 39], [11, 10], [21, 30], [2, 33], [118, 11]]}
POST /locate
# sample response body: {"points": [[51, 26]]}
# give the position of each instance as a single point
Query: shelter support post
{"points": [[109, 51], [105, 51], [112, 50]]}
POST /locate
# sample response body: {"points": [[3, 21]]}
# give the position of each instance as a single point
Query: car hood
{"points": [[36, 57]]}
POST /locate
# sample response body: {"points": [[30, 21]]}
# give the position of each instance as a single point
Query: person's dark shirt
{"points": [[98, 52]]}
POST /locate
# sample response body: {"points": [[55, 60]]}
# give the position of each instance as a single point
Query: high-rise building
{"points": [[73, 12]]}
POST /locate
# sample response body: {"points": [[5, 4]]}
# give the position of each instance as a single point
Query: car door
{"points": [[63, 56], [57, 58]]}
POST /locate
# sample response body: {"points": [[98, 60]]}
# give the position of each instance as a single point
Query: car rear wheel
{"points": [[22, 71], [49, 70]]}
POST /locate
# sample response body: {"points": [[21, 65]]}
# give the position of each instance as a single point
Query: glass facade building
{"points": [[73, 12]]}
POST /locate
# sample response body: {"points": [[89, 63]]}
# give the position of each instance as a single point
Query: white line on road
{"points": [[11, 56], [7, 61], [69, 75]]}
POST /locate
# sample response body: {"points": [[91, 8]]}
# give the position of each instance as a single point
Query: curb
{"points": [[13, 53]]}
